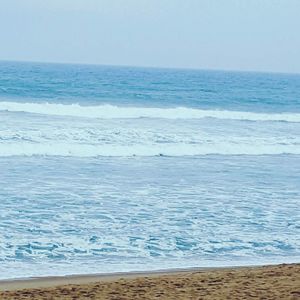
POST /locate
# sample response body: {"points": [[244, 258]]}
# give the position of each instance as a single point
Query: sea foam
{"points": [[117, 112], [177, 150]]}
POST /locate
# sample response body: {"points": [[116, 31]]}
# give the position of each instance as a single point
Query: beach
{"points": [[149, 150], [263, 282]]}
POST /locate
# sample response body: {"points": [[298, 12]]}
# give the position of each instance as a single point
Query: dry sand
{"points": [[267, 282]]}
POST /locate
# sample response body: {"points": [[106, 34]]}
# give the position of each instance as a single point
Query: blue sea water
{"points": [[109, 169]]}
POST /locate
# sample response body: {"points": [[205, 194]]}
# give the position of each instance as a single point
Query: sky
{"points": [[252, 35]]}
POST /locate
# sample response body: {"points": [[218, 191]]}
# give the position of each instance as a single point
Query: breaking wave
{"points": [[117, 112]]}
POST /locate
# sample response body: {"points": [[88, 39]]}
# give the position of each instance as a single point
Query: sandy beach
{"points": [[266, 282]]}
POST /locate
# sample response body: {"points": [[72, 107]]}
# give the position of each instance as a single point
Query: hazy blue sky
{"points": [[259, 35]]}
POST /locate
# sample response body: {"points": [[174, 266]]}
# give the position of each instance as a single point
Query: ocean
{"points": [[112, 169]]}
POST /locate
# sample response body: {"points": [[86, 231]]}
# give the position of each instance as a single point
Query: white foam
{"points": [[85, 150], [114, 112]]}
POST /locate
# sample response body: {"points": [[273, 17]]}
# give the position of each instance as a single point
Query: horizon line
{"points": [[151, 67]]}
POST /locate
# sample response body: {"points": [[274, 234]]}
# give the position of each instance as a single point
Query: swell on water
{"points": [[117, 112]]}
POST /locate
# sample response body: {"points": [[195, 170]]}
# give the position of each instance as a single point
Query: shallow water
{"points": [[106, 169]]}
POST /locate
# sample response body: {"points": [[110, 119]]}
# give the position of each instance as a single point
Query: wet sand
{"points": [[267, 282]]}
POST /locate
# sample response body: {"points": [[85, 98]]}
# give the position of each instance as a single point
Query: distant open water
{"points": [[108, 169]]}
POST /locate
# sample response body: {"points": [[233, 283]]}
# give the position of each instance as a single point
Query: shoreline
{"points": [[167, 270], [48, 281], [240, 282]]}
